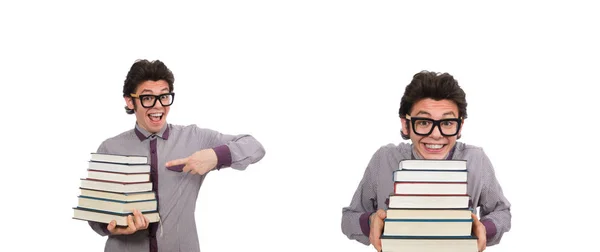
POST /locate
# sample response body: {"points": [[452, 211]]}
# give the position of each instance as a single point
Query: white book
{"points": [[122, 159], [432, 164]]}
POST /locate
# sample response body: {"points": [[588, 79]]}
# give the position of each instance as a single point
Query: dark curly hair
{"points": [[426, 84], [144, 70]]}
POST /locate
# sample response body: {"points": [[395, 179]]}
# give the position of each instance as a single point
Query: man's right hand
{"points": [[134, 223], [376, 220]]}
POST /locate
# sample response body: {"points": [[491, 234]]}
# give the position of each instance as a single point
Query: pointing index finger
{"points": [[176, 162]]}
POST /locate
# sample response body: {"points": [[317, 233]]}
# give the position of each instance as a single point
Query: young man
{"points": [[432, 112], [180, 157]]}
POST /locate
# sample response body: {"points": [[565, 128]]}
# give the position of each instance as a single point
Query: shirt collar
{"points": [[416, 155], [143, 134]]}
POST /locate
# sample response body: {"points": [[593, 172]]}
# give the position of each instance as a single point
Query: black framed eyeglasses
{"points": [[423, 126], [148, 101]]}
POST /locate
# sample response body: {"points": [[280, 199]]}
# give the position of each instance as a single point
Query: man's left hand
{"points": [[479, 231], [201, 162]]}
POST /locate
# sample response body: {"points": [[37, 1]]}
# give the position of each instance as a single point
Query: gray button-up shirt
{"points": [[177, 191], [377, 184]]}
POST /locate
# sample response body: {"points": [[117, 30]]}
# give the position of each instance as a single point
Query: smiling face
{"points": [[154, 118], [434, 145]]}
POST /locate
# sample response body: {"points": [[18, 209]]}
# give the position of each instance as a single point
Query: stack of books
{"points": [[114, 186], [428, 210]]}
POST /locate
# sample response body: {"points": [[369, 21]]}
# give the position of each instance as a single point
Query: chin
{"points": [[153, 127]]}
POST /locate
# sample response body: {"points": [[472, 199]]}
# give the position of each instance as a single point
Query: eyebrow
{"points": [[428, 114], [449, 113], [150, 91], [423, 113]]}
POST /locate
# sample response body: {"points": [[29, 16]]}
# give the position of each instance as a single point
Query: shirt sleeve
{"points": [[355, 217], [495, 208], [234, 151]]}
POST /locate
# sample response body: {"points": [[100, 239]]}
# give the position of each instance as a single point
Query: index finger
{"points": [[176, 162], [147, 222], [130, 225]]}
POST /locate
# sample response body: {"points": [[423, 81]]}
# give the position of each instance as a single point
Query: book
{"points": [[428, 227], [116, 206], [118, 167], [118, 176], [119, 187], [428, 201], [431, 188], [430, 176], [116, 185], [86, 214], [428, 209], [428, 244], [429, 213], [121, 159], [134, 196], [433, 164]]}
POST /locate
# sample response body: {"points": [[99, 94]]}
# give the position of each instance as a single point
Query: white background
{"points": [[319, 84]]}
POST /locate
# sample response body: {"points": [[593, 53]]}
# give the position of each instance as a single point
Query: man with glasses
{"points": [[180, 157], [432, 111]]}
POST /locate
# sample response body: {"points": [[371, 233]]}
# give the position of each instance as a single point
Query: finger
{"points": [[481, 240], [130, 225], [176, 162], [186, 168], [143, 221], [111, 227], [138, 219], [376, 235], [381, 214], [474, 216], [376, 229], [147, 222]]}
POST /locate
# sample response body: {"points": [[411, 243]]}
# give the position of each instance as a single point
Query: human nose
{"points": [[436, 133], [157, 103]]}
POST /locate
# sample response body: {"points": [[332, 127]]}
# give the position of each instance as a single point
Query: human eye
{"points": [[448, 123], [423, 123]]}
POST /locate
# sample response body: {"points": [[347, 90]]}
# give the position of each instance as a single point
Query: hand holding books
{"points": [[134, 223], [376, 228], [479, 232], [118, 192]]}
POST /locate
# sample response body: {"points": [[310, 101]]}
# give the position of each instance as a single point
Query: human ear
{"points": [[129, 102]]}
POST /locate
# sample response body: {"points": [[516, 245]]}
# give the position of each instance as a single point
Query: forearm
{"points": [[238, 152]]}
